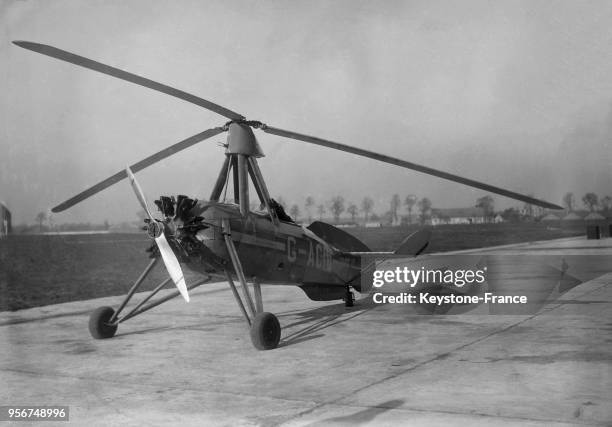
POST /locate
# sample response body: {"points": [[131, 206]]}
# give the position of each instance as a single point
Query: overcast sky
{"points": [[516, 94]]}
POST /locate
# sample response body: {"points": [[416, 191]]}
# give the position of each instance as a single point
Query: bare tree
{"points": [[529, 209], [308, 205], [591, 201], [40, 218], [352, 210], [486, 203], [395, 204], [321, 211], [337, 207], [606, 203], [294, 212], [425, 208], [410, 201], [511, 215], [568, 201], [366, 206]]}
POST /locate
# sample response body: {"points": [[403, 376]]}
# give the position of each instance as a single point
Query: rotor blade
{"points": [[160, 155], [139, 193], [409, 165], [124, 75], [172, 265]]}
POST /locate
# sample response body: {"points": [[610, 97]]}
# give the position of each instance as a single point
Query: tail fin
{"points": [[414, 244]]}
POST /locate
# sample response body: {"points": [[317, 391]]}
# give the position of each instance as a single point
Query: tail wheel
{"points": [[99, 327], [349, 298], [265, 331]]}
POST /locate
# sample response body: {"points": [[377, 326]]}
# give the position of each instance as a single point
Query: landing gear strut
{"points": [[264, 327], [104, 321]]}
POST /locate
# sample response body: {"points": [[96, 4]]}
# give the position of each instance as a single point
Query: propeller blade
{"points": [[160, 155], [170, 260], [172, 265], [139, 193], [409, 165], [124, 75]]}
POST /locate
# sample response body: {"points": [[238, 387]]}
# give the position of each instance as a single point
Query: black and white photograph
{"points": [[306, 213]]}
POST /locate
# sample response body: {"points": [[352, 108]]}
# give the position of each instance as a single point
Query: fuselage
{"points": [[280, 253]]}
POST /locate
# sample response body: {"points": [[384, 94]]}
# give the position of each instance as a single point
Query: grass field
{"points": [[467, 236], [40, 270]]}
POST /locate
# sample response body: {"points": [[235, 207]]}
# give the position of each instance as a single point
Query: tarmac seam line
{"points": [[475, 414]]}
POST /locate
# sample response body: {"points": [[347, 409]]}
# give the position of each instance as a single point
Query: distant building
{"points": [[532, 211], [550, 217], [346, 225], [5, 220], [572, 216], [458, 216], [577, 215], [498, 218], [594, 216]]}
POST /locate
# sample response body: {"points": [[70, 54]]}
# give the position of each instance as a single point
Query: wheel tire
{"points": [[98, 323], [265, 331]]}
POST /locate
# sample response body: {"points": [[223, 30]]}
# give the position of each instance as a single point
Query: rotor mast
{"points": [[242, 151]]}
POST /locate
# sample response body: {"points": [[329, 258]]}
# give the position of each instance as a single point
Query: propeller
{"points": [[408, 165], [156, 230]]}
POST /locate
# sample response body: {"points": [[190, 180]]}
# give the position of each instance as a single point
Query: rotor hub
{"points": [[241, 139]]}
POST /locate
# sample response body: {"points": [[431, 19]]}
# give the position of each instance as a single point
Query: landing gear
{"points": [[99, 323], [264, 328], [349, 298], [265, 331], [104, 321]]}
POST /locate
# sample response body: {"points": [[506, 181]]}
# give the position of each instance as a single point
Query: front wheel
{"points": [[265, 331], [99, 327]]}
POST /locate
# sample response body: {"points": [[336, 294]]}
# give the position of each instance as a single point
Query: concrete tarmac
{"points": [[193, 364]]}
